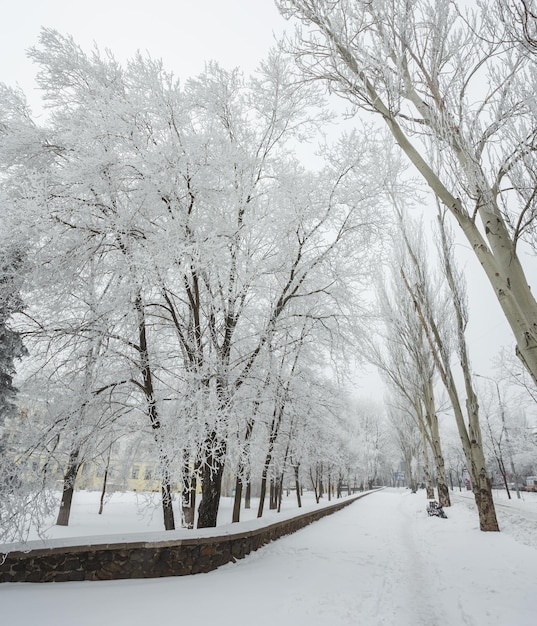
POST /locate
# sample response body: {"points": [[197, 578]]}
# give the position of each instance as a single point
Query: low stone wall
{"points": [[151, 559]]}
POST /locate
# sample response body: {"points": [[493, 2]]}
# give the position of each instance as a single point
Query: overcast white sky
{"points": [[185, 34]]}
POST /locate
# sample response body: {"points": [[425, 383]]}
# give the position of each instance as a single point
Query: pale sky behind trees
{"points": [[186, 34], [183, 33]]}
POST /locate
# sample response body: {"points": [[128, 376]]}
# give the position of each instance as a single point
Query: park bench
{"points": [[434, 509]]}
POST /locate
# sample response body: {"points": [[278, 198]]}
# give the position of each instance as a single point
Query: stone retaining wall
{"points": [[151, 559]]}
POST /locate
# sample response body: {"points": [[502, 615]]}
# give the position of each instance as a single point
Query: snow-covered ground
{"points": [[517, 517], [135, 516], [381, 561]]}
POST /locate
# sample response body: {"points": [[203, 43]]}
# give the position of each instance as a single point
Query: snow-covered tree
{"points": [[203, 239], [404, 358], [459, 99], [442, 341], [11, 343]]}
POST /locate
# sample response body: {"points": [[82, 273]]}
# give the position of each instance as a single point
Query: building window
{"points": [[135, 472], [148, 474]]}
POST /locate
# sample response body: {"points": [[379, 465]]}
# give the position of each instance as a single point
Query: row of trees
{"points": [[455, 87], [183, 275], [422, 354]]}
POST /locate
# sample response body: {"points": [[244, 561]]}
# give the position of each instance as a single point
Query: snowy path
{"points": [[381, 561]]}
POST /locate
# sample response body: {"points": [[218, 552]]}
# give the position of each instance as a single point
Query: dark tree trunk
{"points": [[103, 492], [166, 493], [71, 472], [236, 516], [211, 489], [262, 493], [503, 472], [281, 478], [280, 492], [243, 462], [274, 429], [105, 480], [296, 467], [167, 506], [273, 500], [248, 495], [314, 478], [271, 493]]}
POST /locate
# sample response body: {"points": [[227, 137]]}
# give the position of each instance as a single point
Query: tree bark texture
{"points": [[429, 489], [71, 472], [431, 420], [236, 515], [103, 491], [212, 471], [211, 490], [297, 485]]}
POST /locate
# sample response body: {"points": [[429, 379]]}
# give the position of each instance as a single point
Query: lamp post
{"points": [[504, 430]]}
